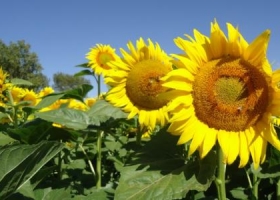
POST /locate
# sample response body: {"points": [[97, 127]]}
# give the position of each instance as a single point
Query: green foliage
{"points": [[64, 81], [158, 171], [17, 59], [19, 163], [43, 161]]}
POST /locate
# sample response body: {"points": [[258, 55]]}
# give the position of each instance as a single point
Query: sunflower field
{"points": [[202, 124]]}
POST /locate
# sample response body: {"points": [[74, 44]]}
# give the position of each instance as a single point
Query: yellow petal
{"points": [[179, 73], [208, 142], [178, 85], [224, 142], [269, 133], [189, 131], [244, 153], [198, 137], [233, 147], [218, 41], [256, 51]]}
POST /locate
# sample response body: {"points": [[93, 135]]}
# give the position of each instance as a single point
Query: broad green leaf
{"points": [[102, 110], [26, 190], [71, 118], [159, 172], [32, 132], [18, 81], [19, 163]]}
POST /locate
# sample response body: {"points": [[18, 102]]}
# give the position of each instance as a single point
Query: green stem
{"points": [[138, 133], [278, 189], [220, 178], [60, 164], [99, 159], [98, 86], [15, 109], [99, 144], [255, 186]]}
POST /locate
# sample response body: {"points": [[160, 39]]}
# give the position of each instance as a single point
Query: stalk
{"points": [[220, 177]]}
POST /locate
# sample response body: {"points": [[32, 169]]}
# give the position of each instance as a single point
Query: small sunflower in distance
{"points": [[3, 85], [135, 82], [99, 56], [224, 90]]}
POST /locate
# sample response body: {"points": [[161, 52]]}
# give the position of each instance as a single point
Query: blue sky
{"points": [[61, 32]]}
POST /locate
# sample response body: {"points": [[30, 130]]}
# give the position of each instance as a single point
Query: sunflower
{"points": [[99, 56], [135, 82], [3, 85], [224, 90]]}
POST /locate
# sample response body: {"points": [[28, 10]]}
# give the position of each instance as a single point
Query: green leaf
{"points": [[270, 168], [5, 139], [84, 73], [52, 194], [32, 132], [239, 193], [49, 100], [71, 118], [17, 81], [78, 93], [102, 110], [19, 163], [157, 171], [84, 65]]}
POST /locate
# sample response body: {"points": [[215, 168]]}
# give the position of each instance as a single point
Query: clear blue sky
{"points": [[61, 32]]}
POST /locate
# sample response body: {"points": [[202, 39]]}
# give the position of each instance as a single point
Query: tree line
{"points": [[17, 59]]}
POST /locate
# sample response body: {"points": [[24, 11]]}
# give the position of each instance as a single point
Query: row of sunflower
{"points": [[14, 95]]}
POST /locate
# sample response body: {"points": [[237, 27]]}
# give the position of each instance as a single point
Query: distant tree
{"points": [[64, 81], [17, 59]]}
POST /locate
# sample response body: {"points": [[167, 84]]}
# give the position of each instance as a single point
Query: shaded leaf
{"points": [[52, 194], [159, 172], [32, 132], [19, 163], [78, 93]]}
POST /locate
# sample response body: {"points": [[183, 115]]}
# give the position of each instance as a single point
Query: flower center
{"points": [[143, 84], [230, 94], [103, 58]]}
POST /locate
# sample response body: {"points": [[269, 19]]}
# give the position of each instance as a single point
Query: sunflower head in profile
{"points": [[224, 90], [3, 84], [135, 82], [99, 56]]}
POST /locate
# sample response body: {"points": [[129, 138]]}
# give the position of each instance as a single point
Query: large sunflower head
{"points": [[99, 56], [223, 91], [135, 82]]}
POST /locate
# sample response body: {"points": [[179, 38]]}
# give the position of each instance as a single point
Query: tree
{"points": [[19, 62], [64, 81]]}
